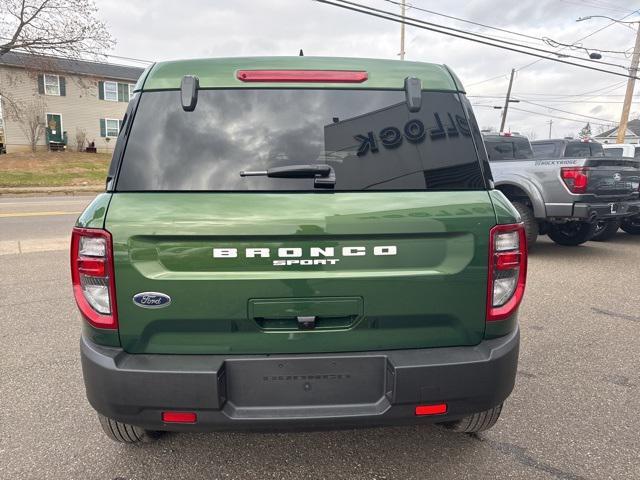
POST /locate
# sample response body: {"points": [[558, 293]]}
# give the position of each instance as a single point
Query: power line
{"points": [[410, 21], [579, 40], [539, 40], [548, 115], [368, 10], [564, 111]]}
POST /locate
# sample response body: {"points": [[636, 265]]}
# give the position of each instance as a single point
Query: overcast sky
{"points": [[161, 30]]}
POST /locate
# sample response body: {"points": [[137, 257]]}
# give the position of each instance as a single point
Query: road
{"points": [[573, 414]]}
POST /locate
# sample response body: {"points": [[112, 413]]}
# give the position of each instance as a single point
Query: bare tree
{"points": [[68, 28], [30, 117], [81, 138]]}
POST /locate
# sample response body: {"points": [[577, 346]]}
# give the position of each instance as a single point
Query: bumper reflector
{"points": [[179, 417], [436, 409]]}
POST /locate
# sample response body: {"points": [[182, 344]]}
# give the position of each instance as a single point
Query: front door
{"points": [[54, 127]]}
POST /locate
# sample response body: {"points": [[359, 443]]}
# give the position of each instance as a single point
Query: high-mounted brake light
{"points": [[575, 178], [507, 270], [308, 76], [92, 276]]}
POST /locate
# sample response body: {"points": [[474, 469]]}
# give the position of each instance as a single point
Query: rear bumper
{"points": [[607, 210], [306, 391], [593, 211]]}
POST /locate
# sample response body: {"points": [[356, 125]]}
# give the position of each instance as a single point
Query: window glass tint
{"points": [[577, 149], [637, 153], [613, 152], [368, 137], [499, 149], [596, 150], [544, 150]]}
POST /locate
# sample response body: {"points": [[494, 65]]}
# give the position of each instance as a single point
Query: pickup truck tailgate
{"points": [[609, 177]]}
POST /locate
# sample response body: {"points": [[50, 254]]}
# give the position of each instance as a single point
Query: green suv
{"points": [[298, 242]]}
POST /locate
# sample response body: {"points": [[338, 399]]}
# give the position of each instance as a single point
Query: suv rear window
{"points": [[613, 152], [369, 137], [508, 148]]}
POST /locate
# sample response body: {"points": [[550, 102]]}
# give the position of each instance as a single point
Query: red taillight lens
{"points": [[179, 417], [575, 178], [436, 409], [507, 270], [309, 76], [92, 276]]}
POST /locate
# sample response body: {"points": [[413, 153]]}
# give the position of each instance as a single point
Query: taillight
{"points": [[92, 276], [507, 270], [575, 178]]}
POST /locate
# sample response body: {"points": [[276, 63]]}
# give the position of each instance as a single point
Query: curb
{"points": [[70, 190]]}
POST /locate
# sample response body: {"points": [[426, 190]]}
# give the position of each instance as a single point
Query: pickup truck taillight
{"points": [[507, 270], [575, 178], [92, 276]]}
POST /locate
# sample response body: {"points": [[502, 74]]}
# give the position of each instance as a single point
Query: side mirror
{"points": [[413, 93], [189, 92]]}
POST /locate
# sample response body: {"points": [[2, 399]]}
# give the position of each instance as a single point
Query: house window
{"points": [[111, 91], [131, 87], [52, 85], [112, 127]]}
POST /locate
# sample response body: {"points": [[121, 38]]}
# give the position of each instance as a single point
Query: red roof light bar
{"points": [[303, 76]]}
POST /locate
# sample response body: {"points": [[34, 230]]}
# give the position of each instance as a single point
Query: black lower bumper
{"points": [[306, 391], [608, 210]]}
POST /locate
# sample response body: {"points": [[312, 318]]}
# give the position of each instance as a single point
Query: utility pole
{"points": [[402, 12], [550, 122], [633, 71], [506, 101]]}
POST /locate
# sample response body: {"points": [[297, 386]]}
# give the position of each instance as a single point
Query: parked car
{"points": [[621, 150], [285, 242], [558, 191]]}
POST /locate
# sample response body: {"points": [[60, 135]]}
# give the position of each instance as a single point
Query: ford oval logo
{"points": [[617, 177], [151, 300]]}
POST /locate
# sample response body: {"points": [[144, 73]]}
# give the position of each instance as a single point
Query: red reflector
{"points": [[92, 266], [179, 417], [507, 260], [328, 76], [437, 409]]}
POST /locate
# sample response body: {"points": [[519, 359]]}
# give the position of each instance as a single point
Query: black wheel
{"points": [[631, 225], [605, 230], [530, 223], [125, 433], [478, 422], [571, 233]]}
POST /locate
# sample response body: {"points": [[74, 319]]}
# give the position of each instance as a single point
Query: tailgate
{"points": [[610, 177], [371, 271]]}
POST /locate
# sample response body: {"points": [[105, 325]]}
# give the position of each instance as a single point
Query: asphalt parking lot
{"points": [[574, 413]]}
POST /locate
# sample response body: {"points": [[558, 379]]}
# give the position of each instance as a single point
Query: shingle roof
{"points": [[633, 125], [66, 65]]}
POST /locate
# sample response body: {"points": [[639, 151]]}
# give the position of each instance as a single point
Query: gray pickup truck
{"points": [[566, 189]]}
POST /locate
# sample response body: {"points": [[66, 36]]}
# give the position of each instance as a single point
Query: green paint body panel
{"points": [[93, 215], [432, 293], [221, 73]]}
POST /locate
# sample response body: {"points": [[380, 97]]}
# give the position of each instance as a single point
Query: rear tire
{"points": [[631, 225], [571, 234], [125, 433], [478, 422], [605, 230], [530, 222]]}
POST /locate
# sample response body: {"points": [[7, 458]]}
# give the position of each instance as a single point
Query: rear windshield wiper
{"points": [[323, 175]]}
